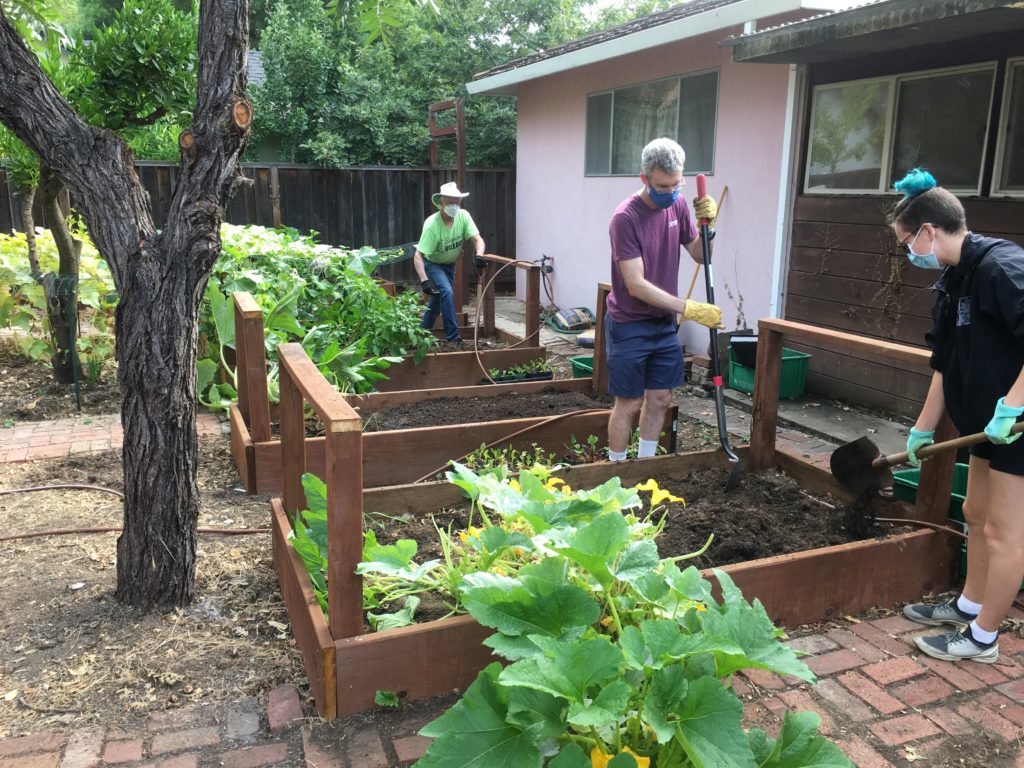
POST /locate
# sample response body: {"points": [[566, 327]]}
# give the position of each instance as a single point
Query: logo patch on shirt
{"points": [[673, 223], [963, 311]]}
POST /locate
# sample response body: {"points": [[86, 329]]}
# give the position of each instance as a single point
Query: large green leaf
{"points": [[566, 670], [605, 709], [750, 628], [597, 545], [801, 746], [709, 726], [571, 756], [639, 559], [536, 607], [403, 617], [316, 492], [665, 697], [222, 311], [543, 712], [475, 732]]}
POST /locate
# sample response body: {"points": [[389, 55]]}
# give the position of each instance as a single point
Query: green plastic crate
{"points": [[582, 366], [792, 379], [904, 488]]}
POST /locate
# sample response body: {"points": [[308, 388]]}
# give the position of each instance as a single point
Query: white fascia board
{"points": [[736, 14]]}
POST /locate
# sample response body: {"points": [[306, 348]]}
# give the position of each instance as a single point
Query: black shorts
{"points": [[1002, 458]]}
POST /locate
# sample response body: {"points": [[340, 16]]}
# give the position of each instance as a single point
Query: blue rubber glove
{"points": [[998, 430], [915, 442]]}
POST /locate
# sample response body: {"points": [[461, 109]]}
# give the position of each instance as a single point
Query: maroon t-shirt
{"points": [[639, 232]]}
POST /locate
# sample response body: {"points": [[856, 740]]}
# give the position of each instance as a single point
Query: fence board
{"points": [[378, 206]]}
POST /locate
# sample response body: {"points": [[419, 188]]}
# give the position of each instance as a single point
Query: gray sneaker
{"points": [[958, 645], [937, 614]]}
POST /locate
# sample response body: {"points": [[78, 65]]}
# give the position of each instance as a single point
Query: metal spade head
{"points": [[851, 466]]}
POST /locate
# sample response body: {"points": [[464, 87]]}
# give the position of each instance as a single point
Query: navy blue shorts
{"points": [[642, 355], [1002, 458]]}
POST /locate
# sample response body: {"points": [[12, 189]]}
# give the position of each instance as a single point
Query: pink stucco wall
{"points": [[565, 214]]}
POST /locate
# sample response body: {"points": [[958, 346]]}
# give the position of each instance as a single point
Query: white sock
{"points": [[616, 455], [983, 635], [968, 606], [647, 448]]}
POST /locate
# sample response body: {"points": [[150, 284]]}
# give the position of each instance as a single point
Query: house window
{"points": [[1009, 176], [848, 134], [865, 133], [621, 122]]}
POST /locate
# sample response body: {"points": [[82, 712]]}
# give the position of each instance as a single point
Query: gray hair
{"points": [[662, 153]]}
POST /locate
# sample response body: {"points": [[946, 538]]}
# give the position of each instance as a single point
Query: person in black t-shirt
{"points": [[977, 343]]}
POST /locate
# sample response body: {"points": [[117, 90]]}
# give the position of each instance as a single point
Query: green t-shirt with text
{"points": [[442, 244]]}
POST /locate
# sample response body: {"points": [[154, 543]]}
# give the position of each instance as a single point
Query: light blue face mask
{"points": [[922, 260]]}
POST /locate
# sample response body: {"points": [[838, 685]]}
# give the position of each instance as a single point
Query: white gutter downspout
{"points": [[785, 211]]}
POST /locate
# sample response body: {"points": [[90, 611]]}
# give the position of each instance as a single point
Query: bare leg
{"points": [[1004, 545], [976, 507], [652, 414], [621, 420]]}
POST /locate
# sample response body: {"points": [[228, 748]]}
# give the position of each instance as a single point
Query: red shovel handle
{"points": [[702, 191]]}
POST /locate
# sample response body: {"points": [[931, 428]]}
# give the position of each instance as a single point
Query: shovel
{"points": [[716, 368], [862, 468]]}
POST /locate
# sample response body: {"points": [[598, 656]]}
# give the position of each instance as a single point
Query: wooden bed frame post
{"points": [[532, 335], [766, 399], [599, 374], [251, 366], [300, 382]]}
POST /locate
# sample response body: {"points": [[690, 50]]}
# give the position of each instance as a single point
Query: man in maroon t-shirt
{"points": [[645, 358]]}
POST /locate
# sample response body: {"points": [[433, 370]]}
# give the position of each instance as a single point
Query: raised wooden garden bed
{"points": [[257, 453], [347, 667]]}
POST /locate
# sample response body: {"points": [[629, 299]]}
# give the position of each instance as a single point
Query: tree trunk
{"points": [[157, 321], [61, 290], [28, 223], [160, 278]]}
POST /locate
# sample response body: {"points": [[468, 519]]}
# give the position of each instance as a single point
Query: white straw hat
{"points": [[451, 189]]}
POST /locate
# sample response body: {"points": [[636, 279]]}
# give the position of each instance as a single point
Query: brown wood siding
{"points": [[845, 273]]}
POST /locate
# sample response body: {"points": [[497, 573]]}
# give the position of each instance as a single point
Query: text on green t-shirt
{"points": [[442, 244]]}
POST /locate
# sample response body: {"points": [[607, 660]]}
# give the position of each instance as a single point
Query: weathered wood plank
{"points": [[308, 625]]}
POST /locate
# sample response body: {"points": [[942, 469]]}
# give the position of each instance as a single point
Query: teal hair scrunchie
{"points": [[915, 182]]}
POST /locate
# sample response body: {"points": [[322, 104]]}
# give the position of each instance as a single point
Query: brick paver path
{"points": [[881, 701], [83, 434]]}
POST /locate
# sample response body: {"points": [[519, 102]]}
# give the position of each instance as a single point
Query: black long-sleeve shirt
{"points": [[977, 335]]}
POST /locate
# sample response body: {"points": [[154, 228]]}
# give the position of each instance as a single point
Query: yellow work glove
{"points": [[705, 208], [707, 315]]}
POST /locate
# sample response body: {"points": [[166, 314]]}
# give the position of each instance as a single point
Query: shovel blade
{"points": [[851, 466]]}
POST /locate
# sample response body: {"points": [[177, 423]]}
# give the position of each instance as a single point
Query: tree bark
{"points": [[28, 223], [160, 278], [62, 290]]}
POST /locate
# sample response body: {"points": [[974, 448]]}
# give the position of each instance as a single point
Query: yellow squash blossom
{"points": [[657, 494], [599, 759], [514, 484], [553, 483], [473, 532]]}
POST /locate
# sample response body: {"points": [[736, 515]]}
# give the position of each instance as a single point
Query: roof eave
{"points": [[506, 83], [830, 35]]}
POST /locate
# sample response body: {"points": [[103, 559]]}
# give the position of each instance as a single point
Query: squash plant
{"points": [[612, 656], [322, 296]]}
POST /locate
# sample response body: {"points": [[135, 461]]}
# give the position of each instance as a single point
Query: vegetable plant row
{"points": [[612, 655]]}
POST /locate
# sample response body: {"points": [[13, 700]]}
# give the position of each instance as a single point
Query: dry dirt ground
{"points": [[70, 653], [29, 393]]}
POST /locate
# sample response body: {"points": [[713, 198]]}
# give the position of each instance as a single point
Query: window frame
{"points": [[891, 116], [611, 132], [996, 189], [980, 66], [886, 136]]}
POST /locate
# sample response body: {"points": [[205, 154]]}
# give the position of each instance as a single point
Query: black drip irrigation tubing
{"points": [[70, 531]]}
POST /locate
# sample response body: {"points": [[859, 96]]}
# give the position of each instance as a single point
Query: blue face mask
{"points": [[922, 260], [663, 199]]}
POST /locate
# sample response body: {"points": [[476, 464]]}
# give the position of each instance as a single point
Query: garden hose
{"points": [[479, 308], [77, 487], [491, 444]]}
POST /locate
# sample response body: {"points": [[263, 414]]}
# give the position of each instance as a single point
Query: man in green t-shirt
{"points": [[438, 251]]}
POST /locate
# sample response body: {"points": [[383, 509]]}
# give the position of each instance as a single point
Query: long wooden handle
{"points": [[696, 269], [930, 450]]}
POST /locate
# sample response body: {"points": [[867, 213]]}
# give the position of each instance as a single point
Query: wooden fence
{"points": [[378, 206]]}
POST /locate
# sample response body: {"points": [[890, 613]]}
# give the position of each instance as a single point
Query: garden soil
{"points": [[28, 391]]}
